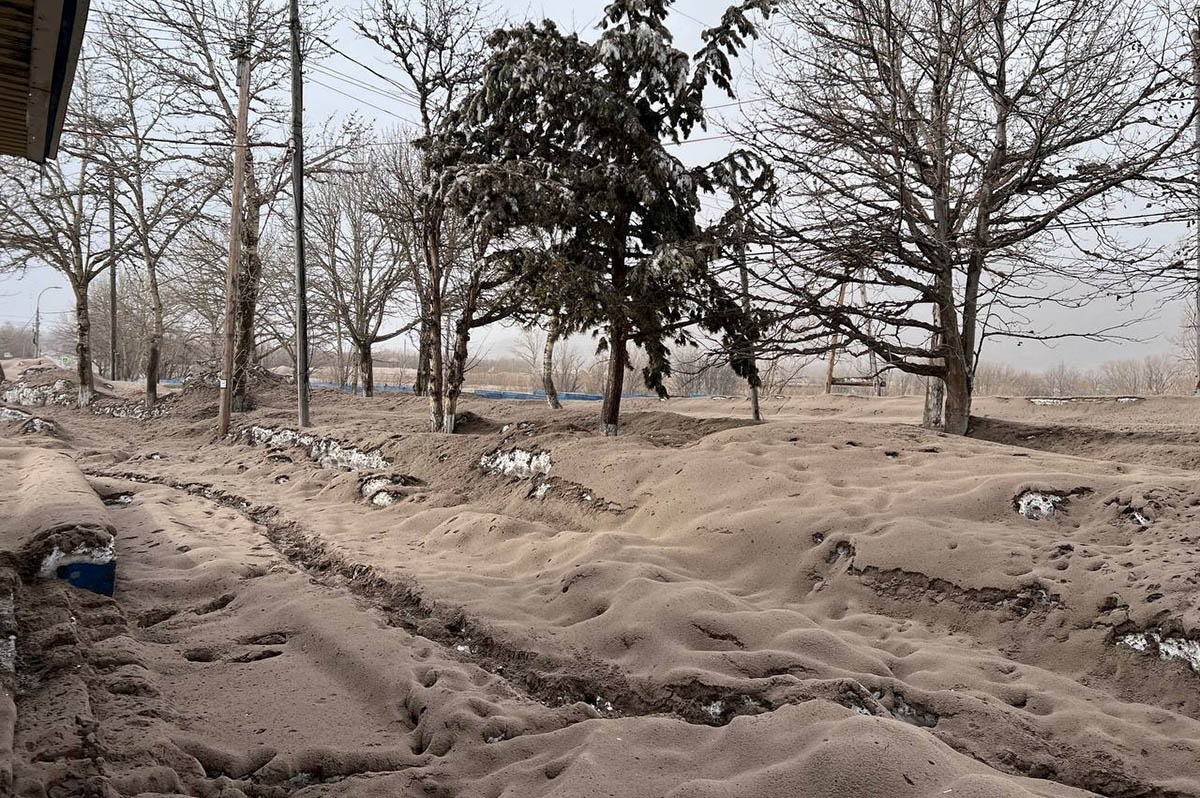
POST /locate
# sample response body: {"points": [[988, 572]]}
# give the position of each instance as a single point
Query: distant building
{"points": [[39, 50]]}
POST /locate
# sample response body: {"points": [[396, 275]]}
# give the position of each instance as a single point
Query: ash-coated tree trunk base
{"points": [[935, 397]]}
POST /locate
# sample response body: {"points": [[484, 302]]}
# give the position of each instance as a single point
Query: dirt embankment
{"points": [[699, 608]]}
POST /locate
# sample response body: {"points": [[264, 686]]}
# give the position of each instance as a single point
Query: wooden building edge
{"points": [[40, 42]]}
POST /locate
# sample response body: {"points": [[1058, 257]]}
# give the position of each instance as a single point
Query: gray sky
{"points": [[337, 87]]}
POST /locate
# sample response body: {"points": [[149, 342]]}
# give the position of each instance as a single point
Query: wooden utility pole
{"points": [[298, 199], [112, 280], [242, 52], [744, 273], [835, 339], [1196, 155]]}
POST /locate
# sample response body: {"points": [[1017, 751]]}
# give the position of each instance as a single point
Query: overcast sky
{"points": [[337, 86]]}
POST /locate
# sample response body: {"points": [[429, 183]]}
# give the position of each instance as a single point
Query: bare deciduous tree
{"points": [[960, 160], [438, 45], [57, 217], [160, 194], [362, 267]]}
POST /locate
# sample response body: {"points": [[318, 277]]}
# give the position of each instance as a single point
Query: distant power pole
{"points": [[242, 51], [112, 281], [298, 200]]}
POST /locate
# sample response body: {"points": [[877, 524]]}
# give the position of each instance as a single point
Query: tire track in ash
{"points": [[553, 682]]}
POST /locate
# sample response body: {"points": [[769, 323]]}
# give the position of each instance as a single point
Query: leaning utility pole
{"points": [[242, 52], [112, 281], [298, 200], [1196, 155]]}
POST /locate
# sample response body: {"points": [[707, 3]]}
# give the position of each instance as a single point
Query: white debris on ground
{"points": [[326, 452], [1036, 505], [93, 555], [1168, 648], [715, 709], [519, 463], [1044, 401]]}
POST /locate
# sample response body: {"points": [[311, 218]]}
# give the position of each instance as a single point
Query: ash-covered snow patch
{"points": [[133, 409], [8, 634], [57, 393], [1036, 505], [1040, 504], [1167, 647], [84, 555], [913, 716], [384, 490], [326, 452], [517, 463], [1049, 401], [30, 423], [118, 499]]}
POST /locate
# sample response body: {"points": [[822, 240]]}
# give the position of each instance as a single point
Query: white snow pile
{"points": [[94, 555], [327, 452], [1036, 505], [57, 393], [1046, 401], [1168, 648], [518, 463]]}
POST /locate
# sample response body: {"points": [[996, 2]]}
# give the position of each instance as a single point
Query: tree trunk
{"points": [[366, 367], [248, 283], [436, 377], [421, 383], [610, 413], [935, 397], [935, 389], [458, 358], [618, 333], [83, 347], [958, 397], [548, 364], [154, 344], [458, 368]]}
